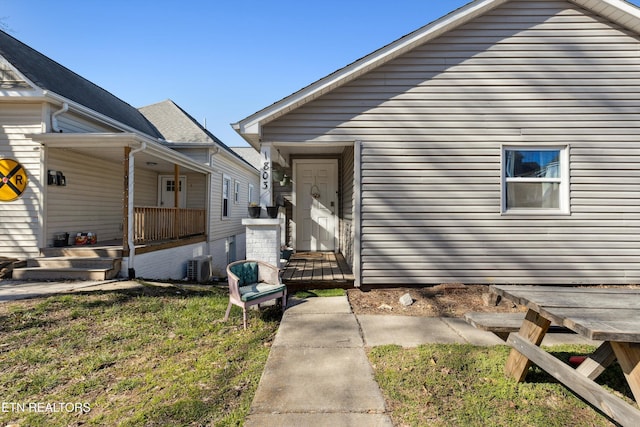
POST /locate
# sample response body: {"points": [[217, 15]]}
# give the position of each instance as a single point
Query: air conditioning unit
{"points": [[199, 268]]}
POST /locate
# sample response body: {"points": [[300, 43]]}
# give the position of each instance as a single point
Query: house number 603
{"points": [[265, 175]]}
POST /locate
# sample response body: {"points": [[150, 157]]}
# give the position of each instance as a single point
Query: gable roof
{"points": [[175, 124], [179, 128], [617, 11], [50, 76]]}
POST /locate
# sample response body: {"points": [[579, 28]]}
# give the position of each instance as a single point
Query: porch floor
{"points": [[308, 270]]}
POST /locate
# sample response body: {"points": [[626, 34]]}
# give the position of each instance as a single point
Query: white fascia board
{"points": [[619, 11], [114, 140], [250, 126], [87, 140], [24, 95], [59, 99]]}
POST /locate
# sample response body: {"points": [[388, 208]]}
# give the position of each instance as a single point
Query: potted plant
{"points": [[254, 210], [273, 211]]}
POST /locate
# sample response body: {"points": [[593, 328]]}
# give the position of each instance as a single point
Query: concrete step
{"points": [[84, 251], [69, 268], [71, 262], [39, 273]]}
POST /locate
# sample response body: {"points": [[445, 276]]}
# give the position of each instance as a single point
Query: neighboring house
{"points": [[96, 164], [498, 144], [250, 155], [233, 181]]}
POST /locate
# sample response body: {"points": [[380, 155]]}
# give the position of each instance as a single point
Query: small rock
{"points": [[406, 300], [490, 299], [385, 307]]}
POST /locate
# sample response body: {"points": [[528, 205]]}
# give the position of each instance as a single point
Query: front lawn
{"points": [[155, 357], [161, 356], [465, 385]]}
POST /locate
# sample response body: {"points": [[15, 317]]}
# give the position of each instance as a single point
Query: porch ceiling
{"points": [[110, 147], [289, 149]]}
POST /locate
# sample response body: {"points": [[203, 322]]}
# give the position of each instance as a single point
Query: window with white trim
{"points": [[226, 190], [535, 180], [236, 192], [250, 195]]}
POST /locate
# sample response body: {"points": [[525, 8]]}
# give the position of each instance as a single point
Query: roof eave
{"points": [[621, 12], [59, 99]]}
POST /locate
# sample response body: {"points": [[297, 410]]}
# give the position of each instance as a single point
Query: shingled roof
{"points": [[178, 126], [51, 76]]}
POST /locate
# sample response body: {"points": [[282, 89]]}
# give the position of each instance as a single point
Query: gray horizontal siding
{"points": [[92, 199], [221, 228], [347, 204], [432, 123]]}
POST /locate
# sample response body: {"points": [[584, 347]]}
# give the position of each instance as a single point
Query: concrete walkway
{"points": [[11, 290], [318, 374]]}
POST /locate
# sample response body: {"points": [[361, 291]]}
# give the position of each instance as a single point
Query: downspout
{"points": [[54, 117], [130, 219]]}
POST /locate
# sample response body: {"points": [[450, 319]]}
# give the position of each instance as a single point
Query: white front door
{"points": [[167, 192], [316, 183]]}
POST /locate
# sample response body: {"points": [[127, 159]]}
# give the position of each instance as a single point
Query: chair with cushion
{"points": [[251, 283]]}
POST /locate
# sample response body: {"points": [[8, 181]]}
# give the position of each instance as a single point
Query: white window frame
{"points": [[251, 193], [226, 196], [563, 181], [236, 192]]}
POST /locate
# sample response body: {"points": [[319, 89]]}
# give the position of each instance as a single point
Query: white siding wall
{"points": [[346, 204], [165, 264], [196, 190], [72, 123], [91, 200], [432, 123], [231, 226], [145, 187], [20, 224]]}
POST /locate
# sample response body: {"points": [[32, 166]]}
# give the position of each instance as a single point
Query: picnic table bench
{"points": [[501, 324], [611, 315]]}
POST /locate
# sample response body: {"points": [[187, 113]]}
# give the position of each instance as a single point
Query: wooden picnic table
{"points": [[610, 315]]}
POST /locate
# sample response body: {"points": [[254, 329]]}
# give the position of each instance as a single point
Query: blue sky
{"points": [[220, 60]]}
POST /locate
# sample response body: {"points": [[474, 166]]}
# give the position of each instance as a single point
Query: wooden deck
{"points": [[307, 270]]}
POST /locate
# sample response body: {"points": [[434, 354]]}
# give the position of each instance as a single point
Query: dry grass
{"points": [[156, 356]]}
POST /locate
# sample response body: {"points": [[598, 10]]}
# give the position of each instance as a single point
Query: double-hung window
{"points": [[250, 193], [226, 190], [535, 180], [236, 192]]}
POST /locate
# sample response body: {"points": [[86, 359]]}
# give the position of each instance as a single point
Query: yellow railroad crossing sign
{"points": [[13, 180]]}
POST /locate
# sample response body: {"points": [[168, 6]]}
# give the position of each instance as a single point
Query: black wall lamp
{"points": [[56, 178]]}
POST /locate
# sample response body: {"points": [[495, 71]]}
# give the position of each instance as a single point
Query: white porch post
{"points": [[357, 213], [266, 192], [263, 234]]}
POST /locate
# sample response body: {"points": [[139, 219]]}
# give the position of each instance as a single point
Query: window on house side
{"points": [[226, 188], [534, 180], [236, 192]]}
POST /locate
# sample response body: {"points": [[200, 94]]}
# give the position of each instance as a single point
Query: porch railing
{"points": [[153, 224]]}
